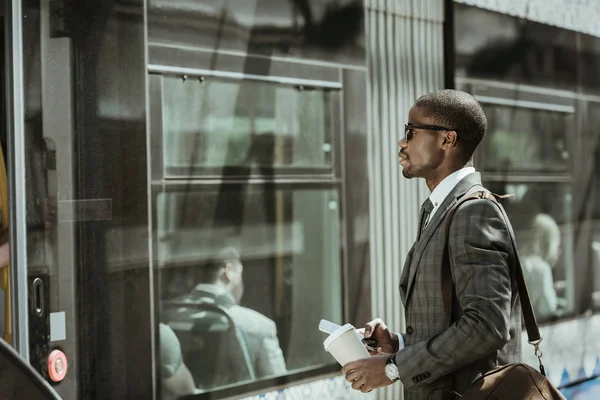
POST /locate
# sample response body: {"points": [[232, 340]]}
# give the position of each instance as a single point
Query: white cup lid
{"points": [[338, 332]]}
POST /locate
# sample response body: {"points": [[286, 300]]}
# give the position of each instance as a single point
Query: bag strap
{"points": [[448, 289]]}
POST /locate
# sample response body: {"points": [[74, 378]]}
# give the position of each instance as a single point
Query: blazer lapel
{"points": [[466, 184], [405, 271]]}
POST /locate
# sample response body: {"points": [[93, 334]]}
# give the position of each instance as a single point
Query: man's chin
{"points": [[407, 173]]}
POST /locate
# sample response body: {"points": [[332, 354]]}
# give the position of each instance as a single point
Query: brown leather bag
{"points": [[512, 381]]}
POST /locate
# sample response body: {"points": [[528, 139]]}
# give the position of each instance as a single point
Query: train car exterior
{"points": [[180, 171]]}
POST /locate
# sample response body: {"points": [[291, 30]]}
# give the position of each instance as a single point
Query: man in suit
{"points": [[223, 283], [432, 357]]}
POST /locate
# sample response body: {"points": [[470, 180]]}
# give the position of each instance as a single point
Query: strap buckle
{"points": [[538, 353]]}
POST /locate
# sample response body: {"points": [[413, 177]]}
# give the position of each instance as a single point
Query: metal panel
{"points": [[16, 176], [535, 105], [405, 60], [172, 56]]}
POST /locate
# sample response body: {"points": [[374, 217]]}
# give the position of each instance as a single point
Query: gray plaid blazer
{"points": [[487, 330]]}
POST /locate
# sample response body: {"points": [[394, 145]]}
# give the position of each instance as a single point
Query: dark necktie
{"points": [[426, 209]]}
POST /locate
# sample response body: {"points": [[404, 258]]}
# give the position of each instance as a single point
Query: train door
{"points": [[79, 222]]}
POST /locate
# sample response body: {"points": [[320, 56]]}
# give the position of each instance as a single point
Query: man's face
{"points": [[420, 151], [236, 282]]}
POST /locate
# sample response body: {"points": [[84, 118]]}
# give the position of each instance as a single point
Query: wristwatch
{"points": [[391, 369]]}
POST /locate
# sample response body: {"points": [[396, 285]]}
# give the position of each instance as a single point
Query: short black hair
{"points": [[211, 269], [460, 112]]}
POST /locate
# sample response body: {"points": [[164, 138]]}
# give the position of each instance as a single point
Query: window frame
{"points": [[333, 116], [161, 181]]}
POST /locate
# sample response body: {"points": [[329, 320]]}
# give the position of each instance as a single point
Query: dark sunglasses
{"points": [[409, 130]]}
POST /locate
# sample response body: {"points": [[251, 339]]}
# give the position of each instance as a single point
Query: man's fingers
{"points": [[359, 384], [351, 376], [349, 367], [371, 326]]}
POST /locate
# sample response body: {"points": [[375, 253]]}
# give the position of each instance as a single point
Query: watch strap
{"points": [[391, 359]]}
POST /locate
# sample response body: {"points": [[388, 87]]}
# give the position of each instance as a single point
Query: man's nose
{"points": [[402, 143]]}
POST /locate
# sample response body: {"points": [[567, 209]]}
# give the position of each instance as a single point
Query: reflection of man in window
{"points": [[223, 282], [540, 250]]}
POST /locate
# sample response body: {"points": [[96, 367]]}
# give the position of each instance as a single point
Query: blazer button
{"points": [[409, 330]]}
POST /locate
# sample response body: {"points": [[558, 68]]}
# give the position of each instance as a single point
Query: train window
{"points": [[260, 261], [594, 128], [525, 140], [257, 234], [226, 127]]}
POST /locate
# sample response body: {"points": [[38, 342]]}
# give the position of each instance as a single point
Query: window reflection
{"points": [[542, 220], [241, 281], [594, 127], [595, 297], [520, 139], [324, 30], [221, 123]]}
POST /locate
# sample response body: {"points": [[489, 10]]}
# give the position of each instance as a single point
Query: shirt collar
{"points": [[444, 188]]}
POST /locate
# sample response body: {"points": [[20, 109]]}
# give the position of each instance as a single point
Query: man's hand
{"points": [[387, 342], [368, 373]]}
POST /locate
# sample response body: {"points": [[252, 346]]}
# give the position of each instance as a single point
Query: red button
{"points": [[57, 365]]}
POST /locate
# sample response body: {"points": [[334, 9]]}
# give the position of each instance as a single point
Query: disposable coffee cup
{"points": [[345, 346]]}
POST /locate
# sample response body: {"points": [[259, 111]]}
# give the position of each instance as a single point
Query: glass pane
{"points": [[221, 123], [594, 123], [500, 47], [523, 139], [542, 220], [323, 30], [246, 273], [86, 181]]}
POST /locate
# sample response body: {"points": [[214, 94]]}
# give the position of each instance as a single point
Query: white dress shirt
{"points": [[443, 189], [439, 194]]}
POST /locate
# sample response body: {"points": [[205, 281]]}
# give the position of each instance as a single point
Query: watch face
{"points": [[391, 371]]}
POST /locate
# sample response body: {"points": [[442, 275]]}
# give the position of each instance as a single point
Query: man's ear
{"points": [[450, 139]]}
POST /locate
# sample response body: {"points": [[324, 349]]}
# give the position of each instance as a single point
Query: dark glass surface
{"points": [[114, 244], [292, 205], [86, 176], [317, 30], [593, 279], [500, 47], [291, 256], [525, 140]]}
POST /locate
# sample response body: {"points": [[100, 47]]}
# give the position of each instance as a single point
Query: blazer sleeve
{"points": [[479, 247]]}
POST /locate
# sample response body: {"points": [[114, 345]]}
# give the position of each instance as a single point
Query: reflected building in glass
{"points": [[250, 152]]}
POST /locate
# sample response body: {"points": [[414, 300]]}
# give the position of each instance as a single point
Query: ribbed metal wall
{"points": [[405, 60]]}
